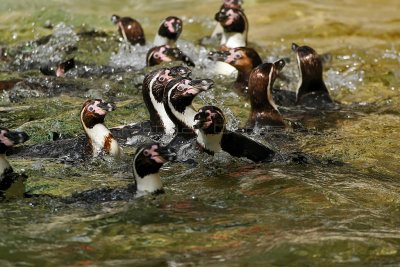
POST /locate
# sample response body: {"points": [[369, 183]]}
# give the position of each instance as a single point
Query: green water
{"points": [[223, 212]]}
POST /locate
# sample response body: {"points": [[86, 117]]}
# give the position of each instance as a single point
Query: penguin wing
{"points": [[239, 145]]}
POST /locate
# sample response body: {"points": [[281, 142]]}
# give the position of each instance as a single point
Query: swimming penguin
{"points": [[165, 53], [178, 96], [7, 140], [212, 137], [153, 93], [235, 25], [147, 161], [159, 123], [264, 111], [244, 59], [100, 139], [130, 29], [169, 31], [311, 91], [59, 70]]}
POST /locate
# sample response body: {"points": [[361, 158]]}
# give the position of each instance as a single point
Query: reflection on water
{"points": [[223, 211]]}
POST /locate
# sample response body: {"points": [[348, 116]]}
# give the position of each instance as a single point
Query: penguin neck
{"points": [[148, 184], [4, 166], [102, 141], [210, 143], [185, 119], [158, 110]]}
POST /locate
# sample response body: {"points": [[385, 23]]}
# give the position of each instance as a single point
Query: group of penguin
{"points": [[168, 93]]}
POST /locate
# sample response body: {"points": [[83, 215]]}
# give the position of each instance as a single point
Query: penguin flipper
{"points": [[238, 145]]}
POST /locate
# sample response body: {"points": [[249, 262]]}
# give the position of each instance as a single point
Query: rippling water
{"points": [[224, 211]]}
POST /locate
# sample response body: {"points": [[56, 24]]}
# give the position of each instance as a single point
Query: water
{"points": [[223, 211]]}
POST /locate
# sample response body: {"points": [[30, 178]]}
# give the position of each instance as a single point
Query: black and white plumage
{"points": [[153, 93], [166, 53], [169, 31], [147, 161], [235, 27], [98, 141], [213, 137], [311, 91], [130, 29], [178, 97], [7, 140]]}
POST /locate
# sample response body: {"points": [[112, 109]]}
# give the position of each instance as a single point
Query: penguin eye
{"points": [[181, 88], [238, 55], [166, 24], [146, 153], [161, 78], [91, 109], [156, 55]]}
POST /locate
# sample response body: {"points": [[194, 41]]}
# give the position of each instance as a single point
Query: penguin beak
{"points": [[294, 47], [107, 106], [221, 16], [202, 84], [17, 137], [199, 120], [167, 153]]}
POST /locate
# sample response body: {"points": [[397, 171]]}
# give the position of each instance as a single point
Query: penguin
{"points": [[165, 53], [235, 25], [178, 96], [153, 93], [169, 31], [100, 138], [159, 124], [130, 29], [7, 140], [97, 141], [213, 137], [311, 90], [264, 111], [59, 70], [244, 59], [147, 162]]}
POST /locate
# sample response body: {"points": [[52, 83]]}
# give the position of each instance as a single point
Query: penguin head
{"points": [[309, 62], [94, 111], [242, 58], [58, 70], [171, 28], [210, 120], [165, 53], [232, 19], [115, 18], [180, 92], [149, 158], [10, 138], [266, 73]]}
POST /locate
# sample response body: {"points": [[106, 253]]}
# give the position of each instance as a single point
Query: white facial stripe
{"points": [[300, 75], [169, 126], [187, 117], [269, 89]]}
